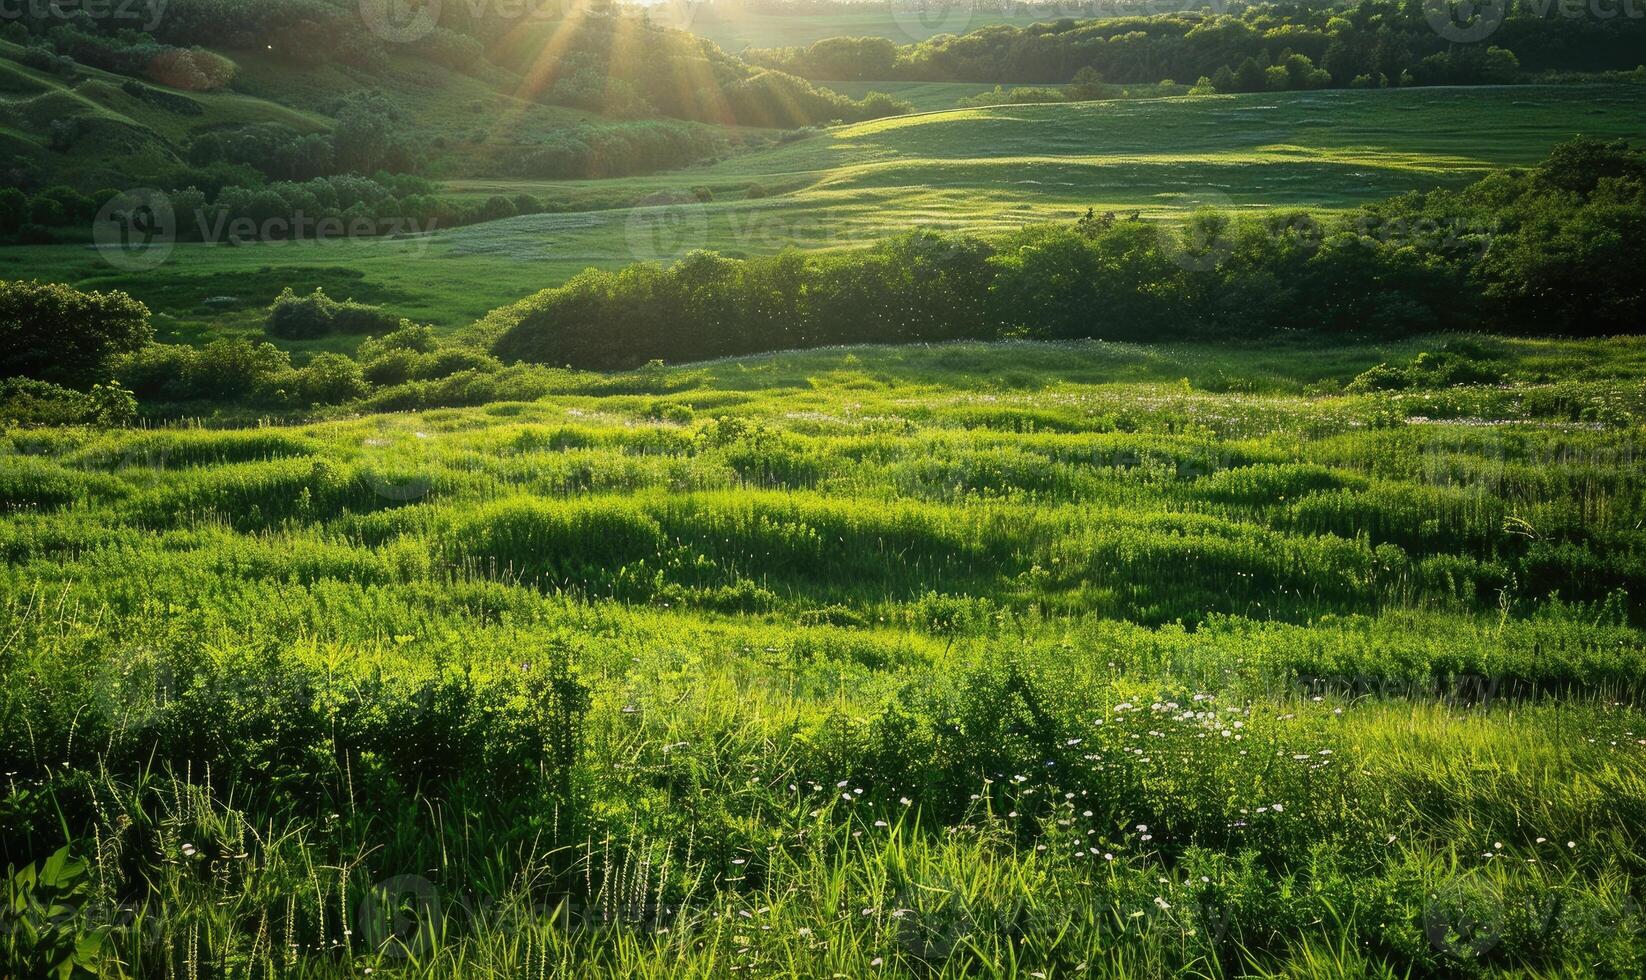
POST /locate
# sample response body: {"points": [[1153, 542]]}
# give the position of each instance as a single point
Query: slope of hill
{"points": [[563, 97], [98, 128], [979, 169]]}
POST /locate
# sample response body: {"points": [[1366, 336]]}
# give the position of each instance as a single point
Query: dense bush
{"points": [[221, 370], [614, 151], [293, 317], [52, 332]]}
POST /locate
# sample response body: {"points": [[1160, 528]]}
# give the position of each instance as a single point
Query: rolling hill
{"points": [[979, 169]]}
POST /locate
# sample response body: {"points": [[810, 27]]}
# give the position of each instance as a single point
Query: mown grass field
{"points": [[979, 169], [1006, 660]]}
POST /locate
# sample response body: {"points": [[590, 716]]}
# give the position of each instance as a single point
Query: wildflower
{"points": [[1162, 903]]}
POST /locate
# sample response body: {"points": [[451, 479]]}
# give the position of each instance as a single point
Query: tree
{"points": [[1251, 76], [56, 333], [14, 210]]}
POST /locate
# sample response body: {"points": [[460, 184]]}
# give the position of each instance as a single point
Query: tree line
{"points": [[1255, 48]]}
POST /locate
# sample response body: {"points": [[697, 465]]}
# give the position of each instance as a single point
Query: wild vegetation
{"points": [[1074, 659], [1120, 527]]}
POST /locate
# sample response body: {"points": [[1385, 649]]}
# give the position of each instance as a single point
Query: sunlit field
{"points": [[980, 169], [1014, 660], [499, 490]]}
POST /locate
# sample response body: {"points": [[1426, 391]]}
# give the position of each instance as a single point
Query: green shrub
{"points": [[52, 332], [293, 317]]}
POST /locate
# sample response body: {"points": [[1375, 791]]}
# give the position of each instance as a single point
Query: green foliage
{"points": [[46, 933], [1253, 49], [293, 317], [51, 332]]}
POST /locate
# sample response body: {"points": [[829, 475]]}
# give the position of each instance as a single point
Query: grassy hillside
{"points": [[735, 31], [1016, 660], [981, 169], [461, 125], [119, 136]]}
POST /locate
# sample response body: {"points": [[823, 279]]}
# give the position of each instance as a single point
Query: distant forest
{"points": [[1257, 48]]}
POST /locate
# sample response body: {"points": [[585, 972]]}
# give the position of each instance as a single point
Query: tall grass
{"points": [[859, 675]]}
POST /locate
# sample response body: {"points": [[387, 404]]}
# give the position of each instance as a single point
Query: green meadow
{"points": [[1164, 536], [1038, 660], [979, 169], [741, 29]]}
